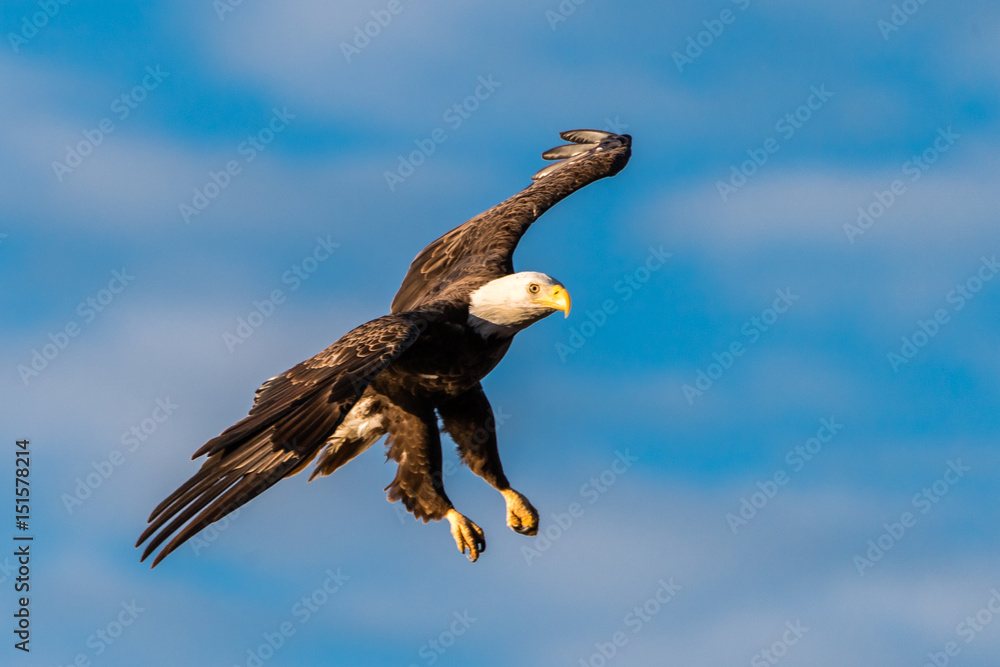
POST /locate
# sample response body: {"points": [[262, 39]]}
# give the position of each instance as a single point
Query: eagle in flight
{"points": [[452, 321]]}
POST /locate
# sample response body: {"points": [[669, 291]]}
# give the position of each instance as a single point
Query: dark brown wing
{"points": [[485, 244], [292, 416]]}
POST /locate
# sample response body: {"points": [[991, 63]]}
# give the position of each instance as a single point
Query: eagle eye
{"points": [[533, 288]]}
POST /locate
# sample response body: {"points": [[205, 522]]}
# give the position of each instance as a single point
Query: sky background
{"points": [[198, 80]]}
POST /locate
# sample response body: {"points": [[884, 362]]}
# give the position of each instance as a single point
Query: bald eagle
{"points": [[451, 323]]}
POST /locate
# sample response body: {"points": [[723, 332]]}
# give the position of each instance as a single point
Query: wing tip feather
{"points": [[584, 142]]}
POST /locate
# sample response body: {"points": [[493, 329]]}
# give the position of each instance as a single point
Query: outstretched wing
{"points": [[292, 416], [485, 244]]}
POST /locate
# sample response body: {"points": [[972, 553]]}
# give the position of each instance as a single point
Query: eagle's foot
{"points": [[467, 534], [522, 517]]}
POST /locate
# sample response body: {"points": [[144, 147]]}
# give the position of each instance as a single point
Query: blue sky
{"points": [[731, 465]]}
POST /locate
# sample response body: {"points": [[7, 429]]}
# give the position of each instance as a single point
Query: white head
{"points": [[506, 305]]}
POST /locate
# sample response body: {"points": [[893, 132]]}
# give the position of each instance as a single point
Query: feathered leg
{"points": [[468, 419], [415, 444]]}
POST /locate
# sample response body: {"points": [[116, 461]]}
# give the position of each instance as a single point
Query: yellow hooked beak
{"points": [[557, 298]]}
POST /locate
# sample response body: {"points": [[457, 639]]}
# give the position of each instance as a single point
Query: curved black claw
{"points": [[522, 517], [467, 534]]}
